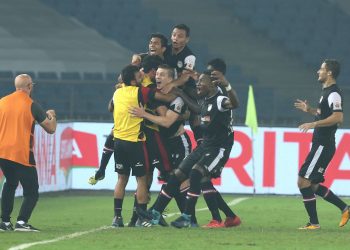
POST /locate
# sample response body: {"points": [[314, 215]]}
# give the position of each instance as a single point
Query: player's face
{"points": [[155, 47], [162, 78], [138, 78], [322, 73], [179, 38], [203, 85]]}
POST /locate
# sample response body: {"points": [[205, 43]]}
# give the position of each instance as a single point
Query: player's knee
{"points": [[32, 193], [10, 185], [122, 180], [314, 187], [200, 169], [206, 181], [303, 183], [181, 176]]}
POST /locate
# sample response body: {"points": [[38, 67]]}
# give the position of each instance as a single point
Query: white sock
{"points": [[21, 222]]}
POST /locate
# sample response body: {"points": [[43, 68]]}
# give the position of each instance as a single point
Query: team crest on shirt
{"points": [[337, 105], [180, 64], [321, 170], [178, 109], [210, 106]]}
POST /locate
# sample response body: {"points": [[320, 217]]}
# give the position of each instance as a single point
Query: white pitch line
{"points": [[64, 237], [78, 234], [231, 203]]}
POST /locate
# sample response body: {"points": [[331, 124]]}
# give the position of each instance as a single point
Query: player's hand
{"points": [[306, 126], [136, 60], [219, 79], [137, 111], [302, 105], [50, 114], [187, 73]]}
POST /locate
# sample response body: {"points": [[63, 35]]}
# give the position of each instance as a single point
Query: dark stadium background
{"points": [[74, 49]]}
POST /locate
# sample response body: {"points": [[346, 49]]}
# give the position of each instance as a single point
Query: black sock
{"points": [[194, 191], [329, 196], [118, 205], [223, 206], [134, 216], [107, 152], [157, 199], [143, 206], [193, 217], [209, 194], [310, 204], [180, 199], [166, 194]]}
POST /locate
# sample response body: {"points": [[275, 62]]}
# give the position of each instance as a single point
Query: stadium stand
{"points": [[276, 46]]}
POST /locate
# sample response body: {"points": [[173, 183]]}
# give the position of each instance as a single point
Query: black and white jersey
{"points": [[216, 121], [331, 101], [178, 106], [180, 61]]}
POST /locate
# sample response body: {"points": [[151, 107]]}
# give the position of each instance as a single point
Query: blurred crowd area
{"points": [[74, 49]]}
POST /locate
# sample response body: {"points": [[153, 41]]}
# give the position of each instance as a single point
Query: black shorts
{"points": [[216, 173], [317, 162], [157, 152], [178, 148], [130, 156], [213, 159]]}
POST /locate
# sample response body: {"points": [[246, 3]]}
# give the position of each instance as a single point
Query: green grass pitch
{"points": [[268, 222]]}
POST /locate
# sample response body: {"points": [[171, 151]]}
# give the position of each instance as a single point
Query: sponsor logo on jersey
{"points": [[119, 166]]}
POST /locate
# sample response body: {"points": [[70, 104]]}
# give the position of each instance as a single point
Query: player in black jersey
{"points": [[328, 115], [212, 197], [179, 56], [209, 157]]}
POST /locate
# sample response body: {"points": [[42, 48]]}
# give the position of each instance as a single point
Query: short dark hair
{"points": [[163, 39], [171, 71], [183, 27], [150, 62], [218, 64], [128, 74], [333, 66], [208, 73]]}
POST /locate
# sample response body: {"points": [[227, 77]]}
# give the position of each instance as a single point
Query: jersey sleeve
{"points": [[190, 62], [38, 112], [220, 102], [335, 102], [177, 105]]}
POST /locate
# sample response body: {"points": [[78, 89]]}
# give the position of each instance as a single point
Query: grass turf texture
{"points": [[268, 222]]}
